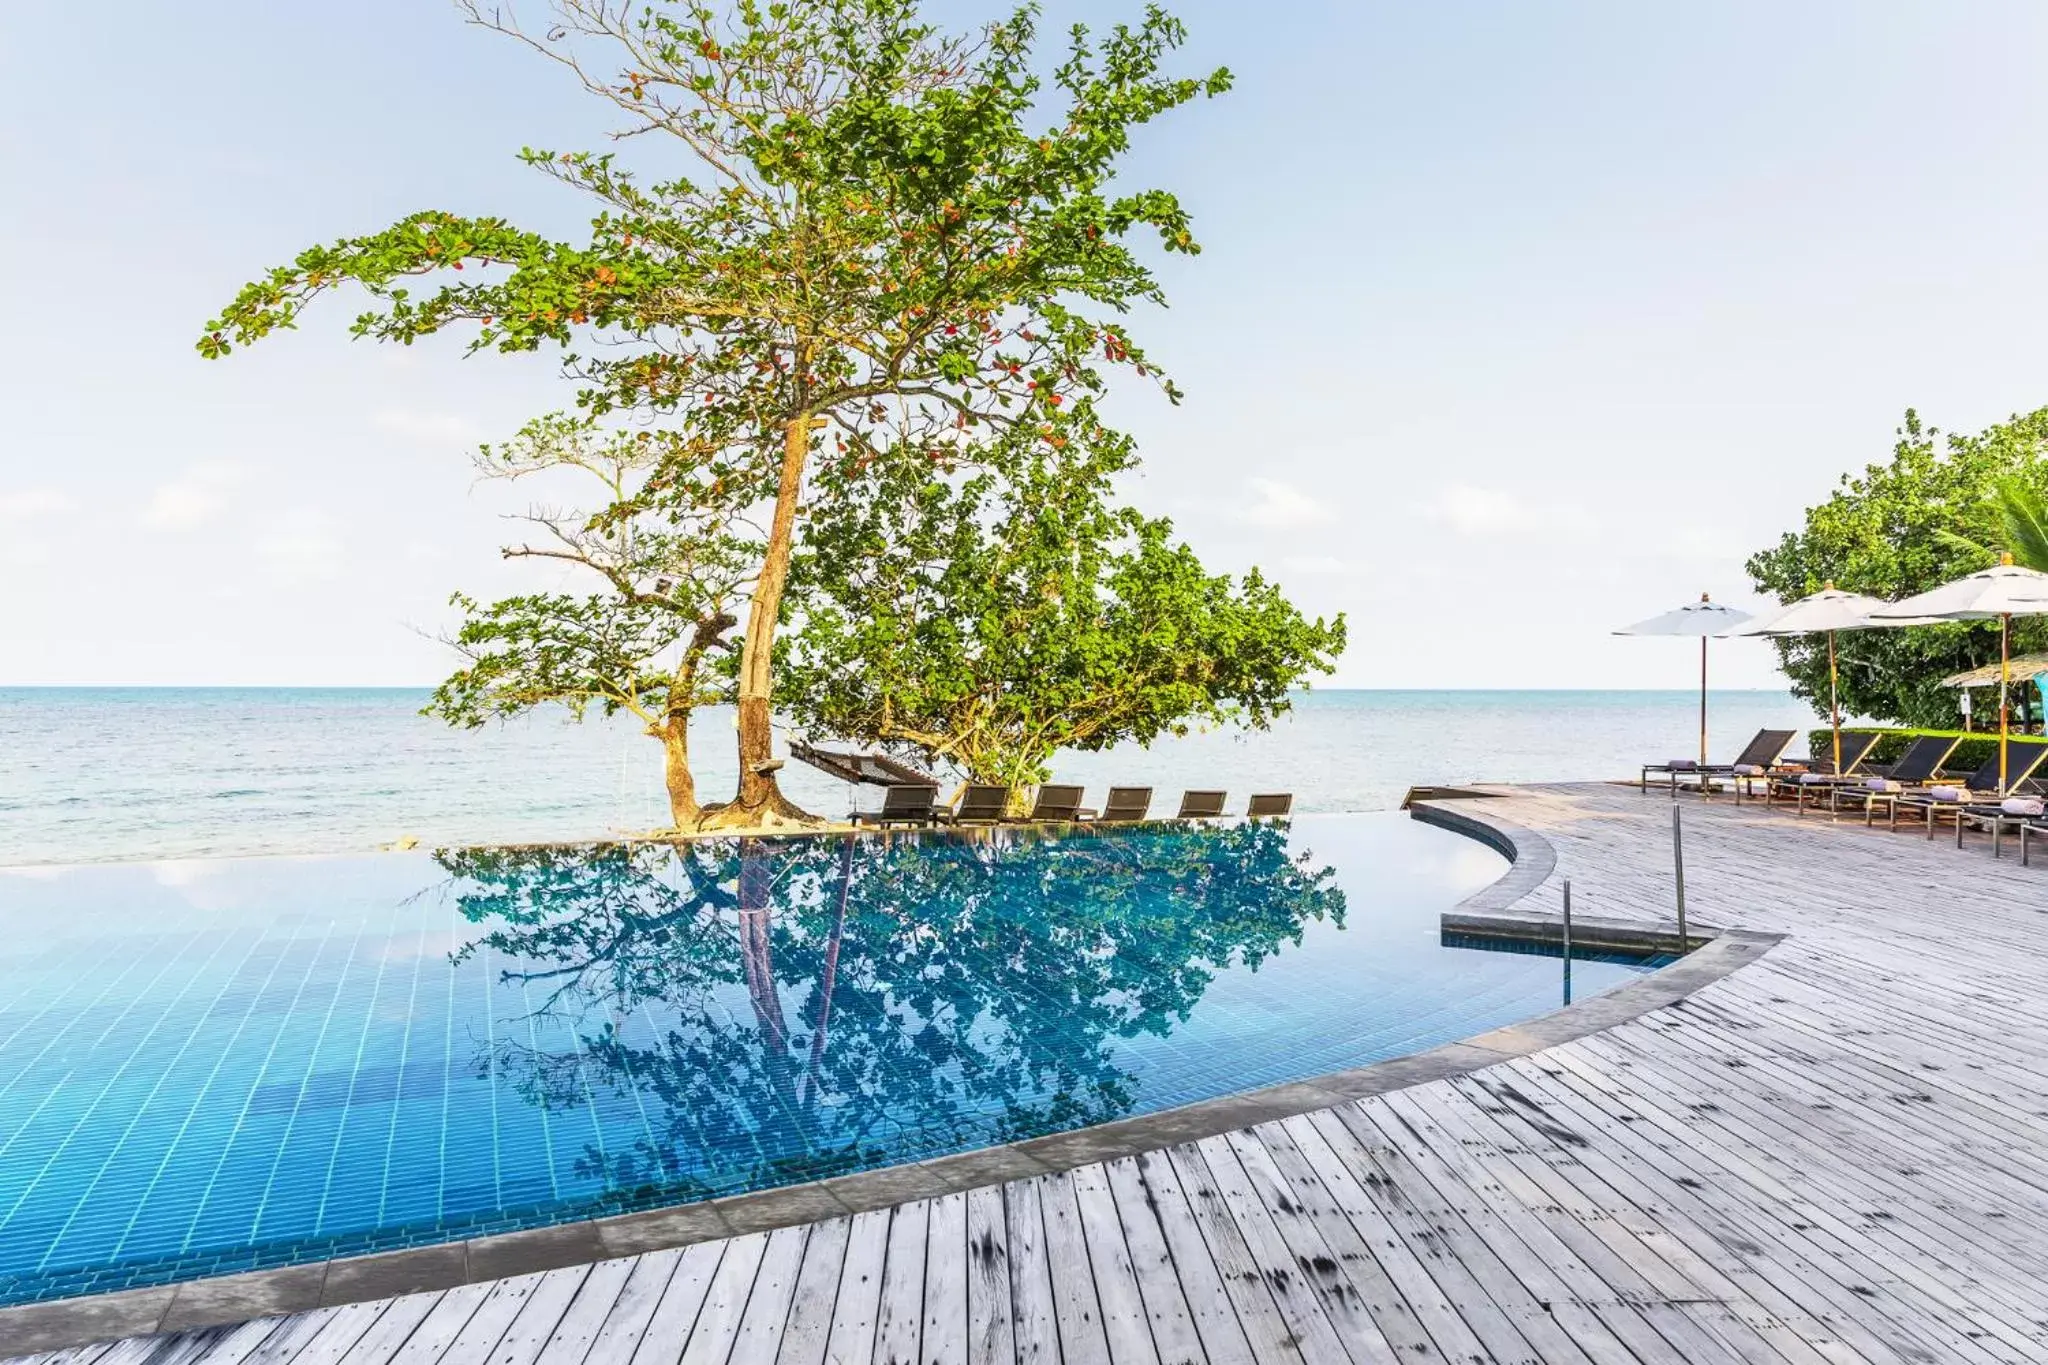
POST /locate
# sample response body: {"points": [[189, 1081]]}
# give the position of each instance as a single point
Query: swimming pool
{"points": [[208, 1067]]}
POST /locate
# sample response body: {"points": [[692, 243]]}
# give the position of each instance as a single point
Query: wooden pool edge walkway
{"points": [[1838, 1153]]}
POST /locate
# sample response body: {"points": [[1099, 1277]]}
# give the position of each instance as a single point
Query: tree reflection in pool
{"points": [[784, 1010], [221, 1065]]}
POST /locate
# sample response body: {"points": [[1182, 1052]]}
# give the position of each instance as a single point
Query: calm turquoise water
{"points": [[92, 774], [209, 1066]]}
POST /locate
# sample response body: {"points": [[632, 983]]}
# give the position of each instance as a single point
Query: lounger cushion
{"points": [[1884, 784], [1681, 765], [1750, 770], [1946, 793], [1815, 779], [2023, 805]]}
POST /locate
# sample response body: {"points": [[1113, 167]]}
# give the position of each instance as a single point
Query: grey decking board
{"points": [[1033, 1315], [1169, 1251], [991, 1327]]}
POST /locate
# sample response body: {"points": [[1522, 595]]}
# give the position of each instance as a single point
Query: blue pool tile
{"points": [[224, 1066]]}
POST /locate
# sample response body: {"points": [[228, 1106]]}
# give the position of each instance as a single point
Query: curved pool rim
{"points": [[58, 1324]]}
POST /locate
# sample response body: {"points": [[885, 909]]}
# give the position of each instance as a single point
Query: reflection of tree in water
{"points": [[786, 1009]]}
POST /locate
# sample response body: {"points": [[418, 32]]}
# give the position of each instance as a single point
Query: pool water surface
{"points": [[209, 1067]]}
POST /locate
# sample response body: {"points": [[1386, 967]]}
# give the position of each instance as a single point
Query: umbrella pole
{"points": [[2004, 689], [1834, 703], [1703, 701]]}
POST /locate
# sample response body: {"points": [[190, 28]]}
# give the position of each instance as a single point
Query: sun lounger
{"points": [[908, 803], [1757, 758], [1057, 803], [1202, 805], [1976, 794], [1918, 767], [1810, 780], [2020, 811], [1270, 805], [1125, 806], [980, 804]]}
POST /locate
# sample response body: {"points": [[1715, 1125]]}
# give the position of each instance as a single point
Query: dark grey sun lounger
{"points": [[907, 803], [1916, 768], [1201, 805], [1057, 803], [1757, 758], [1976, 795], [1801, 781], [1125, 806], [980, 804], [1270, 805]]}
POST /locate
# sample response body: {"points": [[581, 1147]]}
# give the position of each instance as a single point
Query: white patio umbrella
{"points": [[1824, 612], [1703, 618], [1998, 593]]}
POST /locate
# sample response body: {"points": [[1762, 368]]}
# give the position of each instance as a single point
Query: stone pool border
{"points": [[61, 1323]]}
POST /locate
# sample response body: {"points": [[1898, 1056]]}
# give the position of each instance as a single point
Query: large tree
{"points": [[1930, 513], [831, 218], [989, 622], [665, 586]]}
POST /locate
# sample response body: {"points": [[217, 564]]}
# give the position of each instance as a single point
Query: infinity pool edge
{"points": [[58, 1324]]}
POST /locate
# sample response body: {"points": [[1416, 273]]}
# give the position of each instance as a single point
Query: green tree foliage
{"points": [[2013, 519], [666, 587], [834, 234], [992, 621], [775, 1016], [1942, 506]]}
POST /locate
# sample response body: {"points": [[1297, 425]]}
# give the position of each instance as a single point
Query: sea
{"points": [[106, 774]]}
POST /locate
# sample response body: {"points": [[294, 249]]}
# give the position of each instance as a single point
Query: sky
{"points": [[1515, 323]]}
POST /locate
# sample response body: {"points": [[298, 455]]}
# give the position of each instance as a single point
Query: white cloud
{"points": [[193, 499], [431, 428], [1470, 510], [1283, 507], [301, 548], [32, 503]]}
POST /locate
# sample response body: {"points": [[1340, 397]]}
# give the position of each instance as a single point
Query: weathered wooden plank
{"points": [[682, 1299], [1115, 1189], [383, 1338], [899, 1329], [991, 1327], [626, 1325], [1254, 1175], [1083, 1335], [859, 1306], [1260, 1256], [1125, 1320], [343, 1330], [585, 1317], [1233, 1310], [1779, 1262], [725, 1302], [1418, 1317], [430, 1340], [945, 1280], [1379, 1202], [1031, 1294], [768, 1303], [531, 1327], [1174, 1265], [809, 1328]]}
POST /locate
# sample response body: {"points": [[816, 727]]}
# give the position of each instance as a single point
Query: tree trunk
{"points": [[760, 801], [683, 809]]}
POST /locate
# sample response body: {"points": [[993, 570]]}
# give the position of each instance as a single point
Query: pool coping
{"points": [[57, 1324]]}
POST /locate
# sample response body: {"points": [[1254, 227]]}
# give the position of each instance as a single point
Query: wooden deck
{"points": [[1837, 1154]]}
